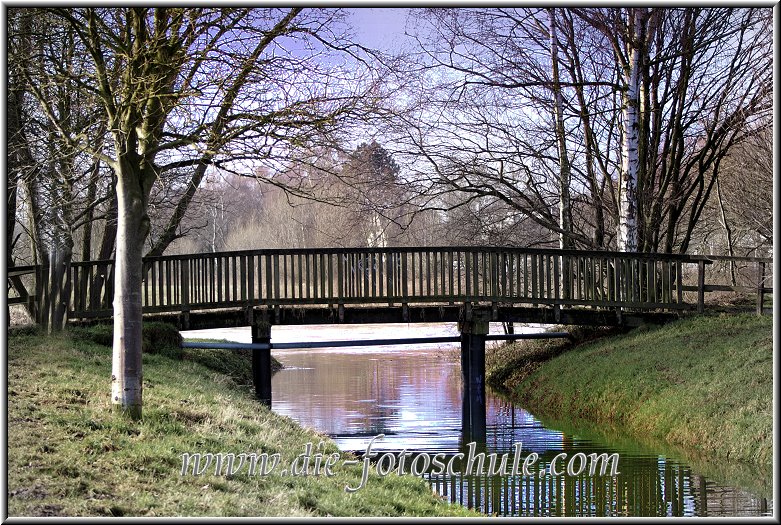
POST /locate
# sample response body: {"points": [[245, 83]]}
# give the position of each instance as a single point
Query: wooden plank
{"points": [[512, 274], [484, 271], [169, 283], [389, 274], [251, 278], [376, 274], [218, 277], [404, 278], [185, 284], [420, 274], [288, 286], [654, 296], [309, 276], [340, 277], [234, 279], [366, 271], [300, 262], [442, 274], [494, 262], [243, 277], [77, 285], [314, 280], [277, 278], [90, 284], [428, 274], [617, 275], [679, 281], [152, 277], [548, 268], [700, 286], [468, 272], [593, 279], [321, 275], [525, 276], [329, 276], [203, 280], [598, 279], [451, 274], [475, 273], [459, 273]]}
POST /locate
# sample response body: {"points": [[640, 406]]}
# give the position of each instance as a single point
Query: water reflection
{"points": [[413, 396]]}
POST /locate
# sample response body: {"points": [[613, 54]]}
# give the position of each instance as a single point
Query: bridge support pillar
{"points": [[473, 327], [261, 359]]}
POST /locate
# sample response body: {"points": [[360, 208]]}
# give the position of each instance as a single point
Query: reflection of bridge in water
{"points": [[663, 488], [468, 285]]}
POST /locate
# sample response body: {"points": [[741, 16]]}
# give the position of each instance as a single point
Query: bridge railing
{"points": [[351, 276]]}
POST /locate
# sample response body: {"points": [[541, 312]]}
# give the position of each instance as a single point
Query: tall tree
{"points": [[565, 206], [650, 101], [190, 88]]}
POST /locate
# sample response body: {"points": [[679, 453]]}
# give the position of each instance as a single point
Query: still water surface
{"points": [[412, 395]]}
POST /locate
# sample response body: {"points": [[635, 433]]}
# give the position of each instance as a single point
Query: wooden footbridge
{"points": [[350, 285], [469, 285]]}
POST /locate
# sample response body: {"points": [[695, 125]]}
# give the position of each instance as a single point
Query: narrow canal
{"points": [[412, 395]]}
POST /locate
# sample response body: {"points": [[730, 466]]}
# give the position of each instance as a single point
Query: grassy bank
{"points": [[69, 454], [703, 383]]}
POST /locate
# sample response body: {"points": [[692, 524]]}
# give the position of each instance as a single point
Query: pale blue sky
{"points": [[379, 27]]}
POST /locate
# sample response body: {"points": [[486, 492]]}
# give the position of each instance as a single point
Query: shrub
{"points": [[156, 337], [162, 338]]}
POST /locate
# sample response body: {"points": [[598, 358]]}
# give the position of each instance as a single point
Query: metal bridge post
{"points": [[261, 359], [474, 328]]}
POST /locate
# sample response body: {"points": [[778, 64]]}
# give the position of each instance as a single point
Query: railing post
{"points": [[404, 282], [339, 278], [389, 274], [760, 287], [557, 292], [700, 286], [185, 284]]}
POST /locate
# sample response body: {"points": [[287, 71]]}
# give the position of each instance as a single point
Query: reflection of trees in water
{"points": [[645, 486], [363, 393]]}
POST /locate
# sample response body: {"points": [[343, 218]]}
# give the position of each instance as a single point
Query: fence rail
{"points": [[351, 276]]}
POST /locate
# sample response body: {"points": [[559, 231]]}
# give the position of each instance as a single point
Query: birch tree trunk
{"points": [[630, 112]]}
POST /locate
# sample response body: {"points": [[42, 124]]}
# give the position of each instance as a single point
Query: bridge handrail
{"points": [[416, 249]]}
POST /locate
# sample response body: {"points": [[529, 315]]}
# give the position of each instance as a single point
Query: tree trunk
{"points": [[565, 209], [132, 229], [727, 231], [630, 163], [56, 309], [99, 298]]}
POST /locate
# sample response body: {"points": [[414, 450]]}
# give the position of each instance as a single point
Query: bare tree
{"points": [[649, 101], [61, 185], [191, 88]]}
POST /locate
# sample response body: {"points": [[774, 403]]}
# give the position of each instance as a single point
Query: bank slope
{"points": [[68, 454], [703, 383]]}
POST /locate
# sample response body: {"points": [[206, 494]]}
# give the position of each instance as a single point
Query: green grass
{"points": [[70, 454], [703, 383]]}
